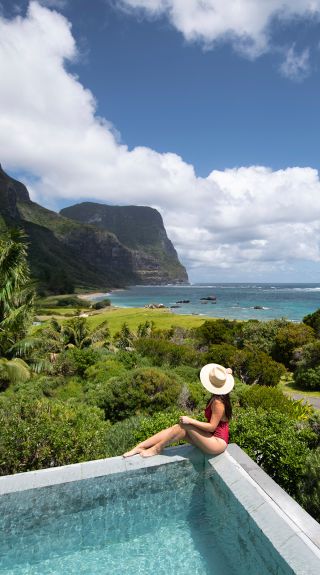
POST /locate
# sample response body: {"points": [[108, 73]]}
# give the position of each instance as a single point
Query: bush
{"points": [[35, 388], [289, 338], [306, 356], [313, 320], [104, 369], [309, 486], [164, 352], [144, 390], [218, 331], [81, 359], [250, 366], [260, 334], [274, 441], [308, 378], [257, 367], [132, 359], [187, 373], [193, 394], [69, 301], [224, 354], [44, 433], [101, 304], [271, 399], [314, 422]]}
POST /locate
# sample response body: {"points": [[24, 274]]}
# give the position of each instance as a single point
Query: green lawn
{"points": [[162, 318]]}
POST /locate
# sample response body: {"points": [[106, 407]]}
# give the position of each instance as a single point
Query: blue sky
{"points": [[208, 115]]}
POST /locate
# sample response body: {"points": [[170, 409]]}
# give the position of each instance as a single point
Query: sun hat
{"points": [[216, 379]]}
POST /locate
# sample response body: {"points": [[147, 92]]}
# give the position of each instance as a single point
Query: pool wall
{"points": [[254, 506]]}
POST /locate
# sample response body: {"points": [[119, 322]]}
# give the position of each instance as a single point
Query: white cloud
{"points": [[296, 66], [244, 23], [235, 220]]}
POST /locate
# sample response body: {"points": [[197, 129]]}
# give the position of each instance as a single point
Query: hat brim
{"points": [[204, 378]]}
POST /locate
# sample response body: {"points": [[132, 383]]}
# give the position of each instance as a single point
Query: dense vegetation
{"points": [[78, 391]]}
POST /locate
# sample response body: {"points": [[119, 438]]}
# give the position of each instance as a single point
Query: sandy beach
{"points": [[89, 296]]}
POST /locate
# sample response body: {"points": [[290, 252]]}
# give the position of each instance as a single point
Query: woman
{"points": [[211, 437]]}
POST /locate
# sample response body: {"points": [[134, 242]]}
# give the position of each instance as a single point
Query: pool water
{"points": [[153, 520]]}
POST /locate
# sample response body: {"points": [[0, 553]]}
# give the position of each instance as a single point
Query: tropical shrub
{"points": [[288, 338], [162, 352], [260, 334], [217, 331], [16, 305], [249, 365], [313, 320], [274, 441], [143, 390], [224, 354], [105, 369], [271, 399], [314, 422], [66, 301], [124, 338], [82, 359], [188, 374], [131, 359], [43, 433], [306, 356], [309, 485], [101, 304], [193, 395], [308, 378], [253, 366]]}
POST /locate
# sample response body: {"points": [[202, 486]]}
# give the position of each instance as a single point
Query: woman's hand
{"points": [[185, 420]]}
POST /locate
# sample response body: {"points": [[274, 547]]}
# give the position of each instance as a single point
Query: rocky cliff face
{"points": [[140, 229], [65, 253], [11, 191]]}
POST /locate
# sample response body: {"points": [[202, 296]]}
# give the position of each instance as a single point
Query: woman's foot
{"points": [[134, 451], [154, 450]]}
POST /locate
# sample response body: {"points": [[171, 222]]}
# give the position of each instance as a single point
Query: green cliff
{"points": [[65, 254], [141, 230]]}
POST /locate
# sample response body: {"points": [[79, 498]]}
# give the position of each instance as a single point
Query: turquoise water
{"points": [[159, 520], [234, 301]]}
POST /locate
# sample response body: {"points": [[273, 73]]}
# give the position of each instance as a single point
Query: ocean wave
{"points": [[306, 289]]}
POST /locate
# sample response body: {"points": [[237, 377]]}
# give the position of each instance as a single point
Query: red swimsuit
{"points": [[222, 429]]}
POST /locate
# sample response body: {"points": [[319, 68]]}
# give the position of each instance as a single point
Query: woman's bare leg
{"points": [[201, 439], [155, 439], [172, 434]]}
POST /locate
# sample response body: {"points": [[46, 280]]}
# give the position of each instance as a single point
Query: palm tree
{"points": [[16, 302]]}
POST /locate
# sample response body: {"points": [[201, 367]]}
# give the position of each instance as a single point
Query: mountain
{"points": [[65, 254], [141, 230]]}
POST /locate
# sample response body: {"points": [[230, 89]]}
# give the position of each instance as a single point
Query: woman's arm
{"points": [[217, 414]]}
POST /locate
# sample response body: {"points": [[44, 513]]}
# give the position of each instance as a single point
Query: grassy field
{"points": [[162, 318]]}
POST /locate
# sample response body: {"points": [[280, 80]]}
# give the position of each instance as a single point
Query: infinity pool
{"points": [[169, 519]]}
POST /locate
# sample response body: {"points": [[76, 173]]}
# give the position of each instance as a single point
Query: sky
{"points": [[207, 110]]}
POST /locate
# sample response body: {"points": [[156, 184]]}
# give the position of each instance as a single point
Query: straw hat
{"points": [[216, 379]]}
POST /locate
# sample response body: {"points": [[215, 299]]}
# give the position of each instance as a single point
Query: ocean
{"points": [[233, 300]]}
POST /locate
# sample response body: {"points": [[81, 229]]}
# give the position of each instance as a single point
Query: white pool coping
{"points": [[292, 531]]}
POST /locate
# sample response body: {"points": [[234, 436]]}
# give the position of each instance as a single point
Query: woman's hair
{"points": [[226, 402]]}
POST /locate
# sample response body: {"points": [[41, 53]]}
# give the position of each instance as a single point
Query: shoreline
{"points": [[88, 296]]}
